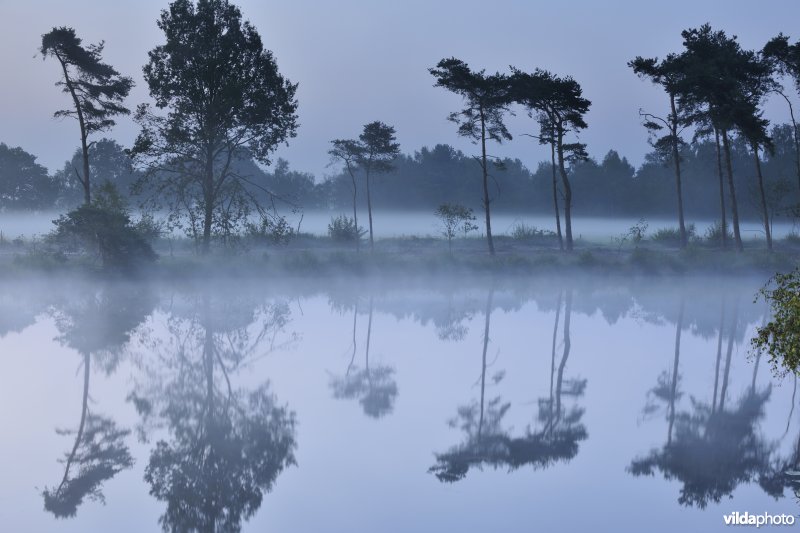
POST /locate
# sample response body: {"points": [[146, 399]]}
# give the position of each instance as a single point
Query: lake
{"points": [[468, 404]]}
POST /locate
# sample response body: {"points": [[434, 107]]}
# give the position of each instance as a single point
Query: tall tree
{"points": [[785, 60], [24, 183], [562, 107], [718, 80], [486, 98], [224, 100], [96, 88], [667, 73], [378, 151], [348, 151]]}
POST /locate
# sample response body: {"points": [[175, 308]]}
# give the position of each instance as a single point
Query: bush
{"points": [[673, 235], [269, 231], [103, 229], [792, 238], [343, 229], [714, 233], [524, 232]]}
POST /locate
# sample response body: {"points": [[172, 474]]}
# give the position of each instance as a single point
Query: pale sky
{"points": [[358, 60]]}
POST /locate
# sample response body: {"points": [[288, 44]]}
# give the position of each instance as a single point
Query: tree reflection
{"points": [[225, 446], [488, 444], [374, 387], [98, 326], [714, 449]]}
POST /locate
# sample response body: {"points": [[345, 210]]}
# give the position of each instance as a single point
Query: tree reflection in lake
{"points": [[487, 443], [225, 446], [374, 387], [97, 325], [714, 448]]}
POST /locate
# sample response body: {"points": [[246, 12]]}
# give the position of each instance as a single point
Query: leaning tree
{"points": [[97, 90], [222, 99], [486, 98]]}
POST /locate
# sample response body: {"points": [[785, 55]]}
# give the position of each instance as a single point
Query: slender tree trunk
{"points": [[723, 219], [675, 364], [85, 182], [764, 211], [555, 195], [719, 356], [355, 209], [369, 337], [677, 159], [355, 322], [489, 302], [732, 189], [796, 136], [731, 337], [567, 189], [486, 200], [553, 349], [82, 425], [369, 212], [567, 347], [208, 199]]}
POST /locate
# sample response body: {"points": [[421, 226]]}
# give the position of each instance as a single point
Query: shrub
{"points": [[269, 231], [714, 233], [455, 218], [524, 232], [343, 229], [792, 238], [673, 235]]}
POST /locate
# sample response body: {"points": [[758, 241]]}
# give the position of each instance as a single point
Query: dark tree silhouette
{"points": [[561, 107], [487, 99], [378, 151], [667, 73], [349, 152], [785, 61], [96, 89], [225, 101]]}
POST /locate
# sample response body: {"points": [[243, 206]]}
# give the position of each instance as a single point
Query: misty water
{"points": [[389, 224], [571, 404]]}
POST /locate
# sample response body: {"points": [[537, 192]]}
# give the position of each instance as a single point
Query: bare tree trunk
{"points": [[355, 210], [567, 189], [85, 182], [567, 347], [731, 338], [208, 199], [732, 189], [369, 212], [82, 425], [796, 135], [764, 211], [555, 195], [486, 200], [719, 356], [489, 301], [723, 219], [677, 159], [674, 384]]}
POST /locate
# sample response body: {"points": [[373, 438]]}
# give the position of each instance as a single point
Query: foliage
{"points": [[780, 338], [104, 228], [344, 229], [673, 235], [455, 218], [192, 152], [713, 234], [635, 234], [271, 231], [24, 183], [524, 232]]}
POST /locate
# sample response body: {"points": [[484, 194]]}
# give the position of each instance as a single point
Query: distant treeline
{"points": [[432, 176]]}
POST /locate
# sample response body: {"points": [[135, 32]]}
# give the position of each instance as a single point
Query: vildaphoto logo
{"points": [[758, 520]]}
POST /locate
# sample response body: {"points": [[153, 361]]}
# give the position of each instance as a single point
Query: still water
{"points": [[591, 404]]}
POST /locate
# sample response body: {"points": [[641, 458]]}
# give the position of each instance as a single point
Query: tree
{"points": [[666, 73], [378, 151], [25, 183], [486, 98], [780, 337], [224, 100], [717, 84], [561, 108], [348, 151], [455, 217], [785, 61], [96, 88]]}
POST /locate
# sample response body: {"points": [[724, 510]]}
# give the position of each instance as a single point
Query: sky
{"points": [[357, 61]]}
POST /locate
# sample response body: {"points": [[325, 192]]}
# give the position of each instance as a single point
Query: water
{"points": [[411, 405], [425, 224]]}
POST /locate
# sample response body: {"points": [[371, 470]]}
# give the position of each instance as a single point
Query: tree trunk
{"points": [[486, 186], [723, 219], [488, 314], [719, 356], [567, 188], [87, 196], [369, 212], [567, 347], [82, 425], [726, 375], [675, 364], [677, 159], [796, 136], [732, 189], [764, 211], [555, 195], [355, 210], [208, 200]]}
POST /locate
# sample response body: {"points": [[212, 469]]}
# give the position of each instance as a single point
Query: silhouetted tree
{"points": [[25, 183], [486, 98], [377, 154], [785, 60], [668, 74], [96, 88], [561, 108], [225, 101], [349, 151]]}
